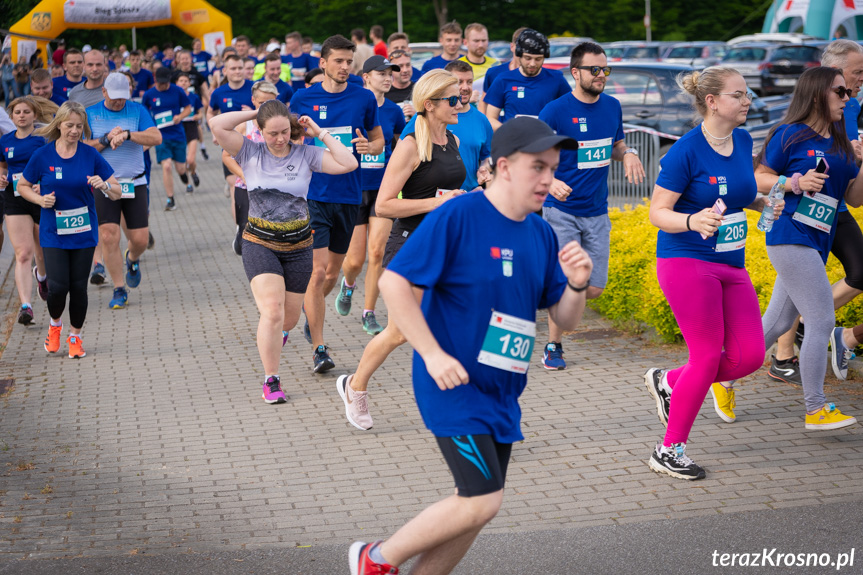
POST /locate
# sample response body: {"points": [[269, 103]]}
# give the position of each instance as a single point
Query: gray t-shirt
{"points": [[278, 186], [86, 96]]}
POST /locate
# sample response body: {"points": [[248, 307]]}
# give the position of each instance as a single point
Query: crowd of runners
{"points": [[465, 207]]}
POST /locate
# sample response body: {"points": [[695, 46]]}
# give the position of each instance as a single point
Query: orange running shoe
{"points": [[76, 349], [52, 342]]}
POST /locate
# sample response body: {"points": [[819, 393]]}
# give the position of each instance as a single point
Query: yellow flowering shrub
{"points": [[633, 299]]}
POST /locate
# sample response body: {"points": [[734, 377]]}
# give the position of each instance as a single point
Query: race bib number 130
{"points": [[508, 343]]}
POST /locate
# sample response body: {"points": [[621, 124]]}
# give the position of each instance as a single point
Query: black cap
{"points": [[163, 75], [379, 64], [526, 134]]}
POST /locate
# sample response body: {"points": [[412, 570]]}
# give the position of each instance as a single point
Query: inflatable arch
{"points": [[50, 18], [820, 18]]}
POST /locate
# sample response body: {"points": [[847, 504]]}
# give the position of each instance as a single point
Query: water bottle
{"points": [[777, 192]]}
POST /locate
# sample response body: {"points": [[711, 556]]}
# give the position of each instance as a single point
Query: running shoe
{"points": [[52, 342], [307, 333], [828, 417], [323, 361], [723, 402], [798, 335], [552, 357], [133, 271], [97, 278], [41, 286], [189, 188], [343, 300], [673, 461], [151, 241], [25, 315], [839, 354], [370, 324], [170, 205], [362, 564], [119, 299], [786, 370], [273, 390], [76, 349], [195, 179], [356, 404], [204, 153], [656, 381], [285, 336]]}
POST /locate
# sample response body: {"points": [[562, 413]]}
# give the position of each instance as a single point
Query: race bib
{"points": [[128, 188], [15, 178], [440, 192], [164, 119], [373, 162], [731, 234], [594, 153], [817, 211], [343, 134], [75, 221], [508, 343]]}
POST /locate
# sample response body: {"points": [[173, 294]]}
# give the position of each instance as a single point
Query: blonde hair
{"points": [[701, 84], [51, 132], [432, 85], [265, 87], [43, 108]]}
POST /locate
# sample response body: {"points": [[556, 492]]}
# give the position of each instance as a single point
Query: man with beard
{"points": [[595, 120], [476, 43], [526, 90], [73, 64]]}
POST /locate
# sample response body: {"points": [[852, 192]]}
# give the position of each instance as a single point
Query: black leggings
{"points": [[68, 271], [848, 249]]}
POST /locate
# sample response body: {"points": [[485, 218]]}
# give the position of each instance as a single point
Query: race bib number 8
{"points": [[731, 235], [594, 153], [817, 211], [508, 343], [75, 221], [343, 134], [128, 189]]}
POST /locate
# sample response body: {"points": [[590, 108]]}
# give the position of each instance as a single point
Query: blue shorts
{"points": [[332, 225], [171, 150]]}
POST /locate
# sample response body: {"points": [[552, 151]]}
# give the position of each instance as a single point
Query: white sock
{"points": [[56, 323]]}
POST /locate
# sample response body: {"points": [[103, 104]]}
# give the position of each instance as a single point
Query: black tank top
{"points": [[444, 171]]}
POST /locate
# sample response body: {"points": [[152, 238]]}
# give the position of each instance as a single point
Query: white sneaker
{"points": [[356, 403]]}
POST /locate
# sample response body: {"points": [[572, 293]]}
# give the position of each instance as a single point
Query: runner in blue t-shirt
{"points": [[144, 79], [577, 206], [347, 112], [200, 58], [22, 217], [169, 105], [272, 73], [486, 263], [68, 175], [800, 241], [300, 62], [371, 231], [73, 64], [450, 38], [191, 126]]}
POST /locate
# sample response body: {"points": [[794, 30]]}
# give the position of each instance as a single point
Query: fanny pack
{"points": [[293, 237]]}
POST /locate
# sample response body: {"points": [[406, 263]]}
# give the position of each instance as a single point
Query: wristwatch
{"points": [[323, 134], [104, 140], [630, 151]]}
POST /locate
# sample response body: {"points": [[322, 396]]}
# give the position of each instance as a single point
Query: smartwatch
{"points": [[104, 140], [630, 151]]}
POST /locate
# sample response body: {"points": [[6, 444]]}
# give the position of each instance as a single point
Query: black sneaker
{"points": [[323, 361], [25, 315], [151, 241], [674, 462], [195, 179], [204, 153], [170, 205], [653, 379], [798, 335], [786, 370]]}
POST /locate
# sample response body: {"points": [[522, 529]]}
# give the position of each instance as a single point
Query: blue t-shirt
{"points": [[518, 95], [435, 63], [700, 175], [474, 134], [68, 180], [164, 107], [416, 74], [196, 104], [62, 86], [285, 92], [127, 161], [143, 81], [226, 99], [392, 121], [851, 113], [342, 114], [59, 100], [472, 261], [492, 75], [200, 62], [786, 159], [16, 152], [596, 127], [299, 66]]}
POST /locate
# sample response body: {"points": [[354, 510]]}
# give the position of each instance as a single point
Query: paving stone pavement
{"points": [[158, 440]]}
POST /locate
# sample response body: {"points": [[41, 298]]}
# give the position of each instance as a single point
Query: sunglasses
{"points": [[595, 70], [842, 92], [451, 100]]}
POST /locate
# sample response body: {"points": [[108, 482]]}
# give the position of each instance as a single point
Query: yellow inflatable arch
{"points": [[50, 18]]}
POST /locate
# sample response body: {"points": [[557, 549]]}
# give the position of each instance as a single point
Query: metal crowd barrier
{"points": [[646, 141]]}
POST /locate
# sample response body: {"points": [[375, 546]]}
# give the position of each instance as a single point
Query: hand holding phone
{"points": [[821, 165], [719, 207]]}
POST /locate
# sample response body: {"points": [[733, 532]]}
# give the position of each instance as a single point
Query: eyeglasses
{"points": [[738, 95], [451, 100], [842, 92], [595, 70]]}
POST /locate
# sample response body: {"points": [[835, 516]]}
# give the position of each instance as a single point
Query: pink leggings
{"points": [[715, 306]]}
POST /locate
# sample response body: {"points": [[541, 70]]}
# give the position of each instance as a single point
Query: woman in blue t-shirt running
{"points": [[700, 263]]}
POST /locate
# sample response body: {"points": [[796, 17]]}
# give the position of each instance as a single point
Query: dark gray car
{"points": [[747, 59]]}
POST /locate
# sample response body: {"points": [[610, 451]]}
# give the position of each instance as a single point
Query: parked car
{"points": [[562, 46], [696, 54], [780, 72], [627, 50], [747, 58], [499, 49], [774, 37], [422, 51]]}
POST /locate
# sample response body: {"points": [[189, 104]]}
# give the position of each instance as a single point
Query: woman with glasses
{"points": [[700, 262], [427, 169], [798, 245]]}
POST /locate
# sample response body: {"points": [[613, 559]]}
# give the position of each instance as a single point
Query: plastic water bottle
{"points": [[777, 192]]}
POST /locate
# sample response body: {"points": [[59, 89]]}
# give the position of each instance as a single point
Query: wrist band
{"points": [[575, 289], [687, 222], [323, 134], [795, 183], [104, 140], [128, 135]]}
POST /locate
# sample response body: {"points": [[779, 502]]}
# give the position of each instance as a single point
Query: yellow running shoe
{"points": [[828, 417], [723, 402]]}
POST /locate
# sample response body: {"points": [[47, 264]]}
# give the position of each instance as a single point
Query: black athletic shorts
{"points": [[295, 267], [191, 129], [332, 225], [478, 463], [133, 209], [226, 171], [848, 249], [398, 237], [17, 206], [367, 208]]}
